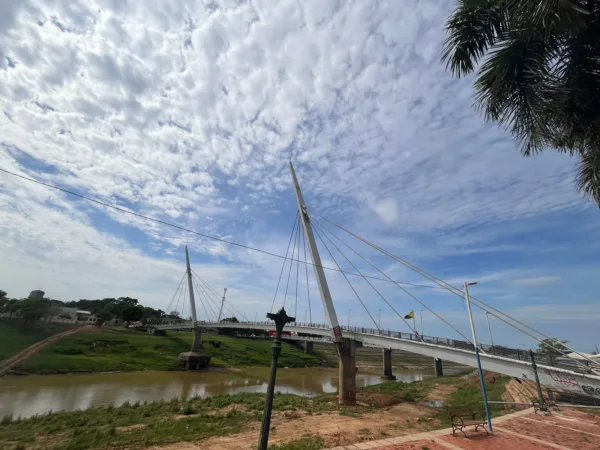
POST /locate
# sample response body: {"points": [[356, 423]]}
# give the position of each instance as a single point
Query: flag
{"points": [[410, 315]]}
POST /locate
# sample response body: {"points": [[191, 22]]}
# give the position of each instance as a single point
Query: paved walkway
{"points": [[565, 429]]}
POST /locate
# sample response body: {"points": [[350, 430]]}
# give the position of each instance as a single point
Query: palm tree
{"points": [[538, 73]]}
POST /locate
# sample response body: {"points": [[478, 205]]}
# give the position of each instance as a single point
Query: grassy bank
{"points": [[142, 425], [15, 336], [126, 350]]}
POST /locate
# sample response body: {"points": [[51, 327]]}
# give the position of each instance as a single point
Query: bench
{"points": [[462, 418]]}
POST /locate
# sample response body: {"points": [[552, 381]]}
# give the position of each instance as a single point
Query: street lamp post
{"points": [[280, 319], [422, 331], [487, 316], [379, 324], [483, 390], [349, 311]]}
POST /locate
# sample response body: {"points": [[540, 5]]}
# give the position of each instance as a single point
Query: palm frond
{"points": [[588, 176], [472, 30], [514, 89]]}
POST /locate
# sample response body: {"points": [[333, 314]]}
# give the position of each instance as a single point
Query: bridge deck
{"points": [[553, 372]]}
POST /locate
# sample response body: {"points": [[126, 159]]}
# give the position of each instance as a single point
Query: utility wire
{"points": [[348, 281], [291, 264], [179, 227], [459, 293], [403, 289], [307, 287], [296, 222], [323, 230]]}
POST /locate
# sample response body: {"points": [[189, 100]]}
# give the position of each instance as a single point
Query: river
{"points": [[29, 395]]}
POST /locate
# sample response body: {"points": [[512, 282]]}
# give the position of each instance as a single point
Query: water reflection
{"points": [[27, 396]]}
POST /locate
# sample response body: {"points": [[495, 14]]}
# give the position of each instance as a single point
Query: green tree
{"points": [[553, 347], [2, 295], [32, 309], [538, 73], [131, 314]]}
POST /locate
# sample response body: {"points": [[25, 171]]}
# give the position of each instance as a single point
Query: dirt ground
{"points": [[565, 429], [336, 429]]}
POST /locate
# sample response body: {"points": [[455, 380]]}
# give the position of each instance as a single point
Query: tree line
{"points": [[126, 309]]}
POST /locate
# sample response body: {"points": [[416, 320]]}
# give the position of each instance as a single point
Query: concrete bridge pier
{"points": [[387, 364], [197, 343], [346, 349], [309, 348], [439, 370]]}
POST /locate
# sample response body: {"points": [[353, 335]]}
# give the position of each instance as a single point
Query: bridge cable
{"points": [[323, 230], [176, 290], [403, 289], [307, 286], [460, 293], [176, 308], [218, 299], [201, 302], [296, 222], [297, 275], [179, 227], [291, 264], [348, 281], [209, 300], [185, 296]]}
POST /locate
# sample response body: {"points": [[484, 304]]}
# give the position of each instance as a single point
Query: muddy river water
{"points": [[29, 395]]}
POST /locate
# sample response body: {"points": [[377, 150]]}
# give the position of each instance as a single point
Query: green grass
{"points": [[305, 443], [469, 396], [415, 392], [126, 350], [15, 337], [165, 422], [152, 424]]}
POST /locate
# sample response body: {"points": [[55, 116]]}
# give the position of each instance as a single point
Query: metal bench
{"points": [[462, 418]]}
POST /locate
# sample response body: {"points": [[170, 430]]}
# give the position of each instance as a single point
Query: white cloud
{"points": [[187, 111], [537, 281]]}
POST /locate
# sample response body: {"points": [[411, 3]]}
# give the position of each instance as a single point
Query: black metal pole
{"points": [[281, 318]]}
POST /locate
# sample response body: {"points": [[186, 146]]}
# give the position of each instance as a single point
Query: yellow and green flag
{"points": [[410, 315]]}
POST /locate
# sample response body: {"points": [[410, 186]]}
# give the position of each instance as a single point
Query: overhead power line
{"points": [[188, 230]]}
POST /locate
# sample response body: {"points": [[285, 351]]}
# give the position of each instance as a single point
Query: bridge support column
{"points": [[197, 343], [387, 364], [346, 348], [437, 363], [309, 348]]}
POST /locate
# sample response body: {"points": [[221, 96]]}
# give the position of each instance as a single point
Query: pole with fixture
{"points": [[349, 311], [422, 330], [483, 390]]}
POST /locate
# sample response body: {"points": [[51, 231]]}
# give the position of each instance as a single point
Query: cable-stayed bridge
{"points": [[576, 372]]}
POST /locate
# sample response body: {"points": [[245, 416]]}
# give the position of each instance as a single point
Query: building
{"points": [[37, 294]]}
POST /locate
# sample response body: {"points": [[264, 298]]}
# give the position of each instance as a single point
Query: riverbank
{"points": [[16, 337], [232, 421], [119, 349]]}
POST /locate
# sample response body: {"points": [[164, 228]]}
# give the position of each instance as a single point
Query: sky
{"points": [[190, 111]]}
